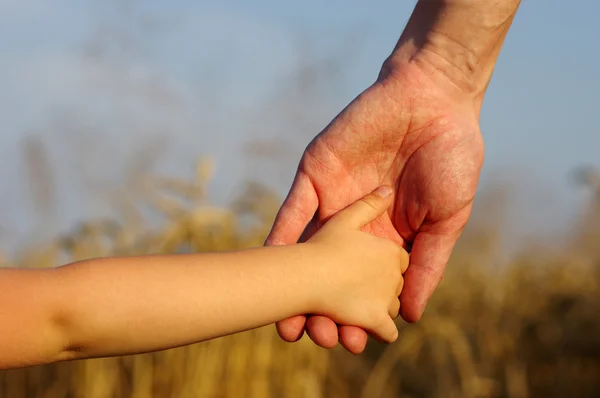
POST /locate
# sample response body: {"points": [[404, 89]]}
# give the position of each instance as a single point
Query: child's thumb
{"points": [[367, 209]]}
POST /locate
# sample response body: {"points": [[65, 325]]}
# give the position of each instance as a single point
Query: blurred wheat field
{"points": [[530, 328]]}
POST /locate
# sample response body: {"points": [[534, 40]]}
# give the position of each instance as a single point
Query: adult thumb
{"points": [[365, 210]]}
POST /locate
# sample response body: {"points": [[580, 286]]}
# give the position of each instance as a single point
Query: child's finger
{"points": [[404, 260], [365, 210], [394, 308], [400, 286], [386, 331]]}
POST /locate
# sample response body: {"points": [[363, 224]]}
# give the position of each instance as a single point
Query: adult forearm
{"points": [[458, 40]]}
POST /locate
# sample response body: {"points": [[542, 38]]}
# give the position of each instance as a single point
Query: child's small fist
{"points": [[361, 275]]}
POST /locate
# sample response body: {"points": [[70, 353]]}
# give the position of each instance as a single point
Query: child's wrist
{"points": [[316, 283]]}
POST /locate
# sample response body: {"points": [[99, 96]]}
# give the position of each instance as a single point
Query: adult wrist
{"points": [[455, 41]]}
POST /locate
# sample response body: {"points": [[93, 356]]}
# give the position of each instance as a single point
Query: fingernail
{"points": [[384, 191]]}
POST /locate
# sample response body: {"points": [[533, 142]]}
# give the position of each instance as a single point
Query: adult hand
{"points": [[416, 129]]}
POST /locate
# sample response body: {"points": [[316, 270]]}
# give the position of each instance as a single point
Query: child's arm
{"points": [[120, 306]]}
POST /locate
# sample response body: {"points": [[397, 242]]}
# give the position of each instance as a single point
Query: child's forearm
{"points": [[122, 306], [145, 304]]}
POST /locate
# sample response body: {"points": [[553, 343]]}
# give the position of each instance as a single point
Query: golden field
{"points": [[526, 326]]}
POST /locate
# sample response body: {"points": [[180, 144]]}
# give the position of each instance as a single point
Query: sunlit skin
{"points": [[131, 305], [417, 129]]}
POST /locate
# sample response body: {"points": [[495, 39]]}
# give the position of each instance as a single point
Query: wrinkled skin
{"points": [[412, 132]]}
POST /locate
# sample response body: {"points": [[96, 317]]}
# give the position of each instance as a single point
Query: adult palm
{"points": [[415, 131]]}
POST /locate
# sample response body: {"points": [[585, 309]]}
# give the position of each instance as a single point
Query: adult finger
{"points": [[322, 331], [310, 230], [291, 329], [428, 258], [295, 213], [353, 338]]}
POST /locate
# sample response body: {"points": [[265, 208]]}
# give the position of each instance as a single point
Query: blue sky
{"points": [[207, 77]]}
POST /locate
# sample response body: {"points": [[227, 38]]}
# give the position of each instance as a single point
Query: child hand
{"points": [[360, 274]]}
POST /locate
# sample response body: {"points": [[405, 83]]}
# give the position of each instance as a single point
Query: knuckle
{"points": [[404, 258], [370, 203], [387, 248], [395, 273], [399, 252], [400, 285], [403, 254], [393, 248], [394, 309]]}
